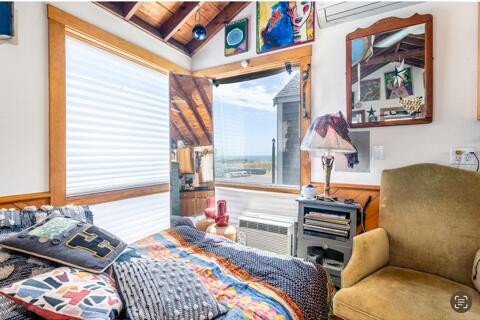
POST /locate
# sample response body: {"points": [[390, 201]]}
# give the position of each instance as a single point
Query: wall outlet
{"points": [[462, 156]]}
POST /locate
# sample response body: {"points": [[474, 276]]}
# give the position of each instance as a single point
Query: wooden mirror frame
{"points": [[389, 24]]}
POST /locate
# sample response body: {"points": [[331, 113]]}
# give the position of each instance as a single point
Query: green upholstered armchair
{"points": [[423, 251]]}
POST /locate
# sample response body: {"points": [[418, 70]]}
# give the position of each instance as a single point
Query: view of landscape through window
{"points": [[258, 143]]}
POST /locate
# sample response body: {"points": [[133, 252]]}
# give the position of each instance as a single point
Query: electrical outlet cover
{"points": [[462, 156]]}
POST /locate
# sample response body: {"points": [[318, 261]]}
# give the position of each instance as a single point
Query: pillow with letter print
{"points": [[68, 241]]}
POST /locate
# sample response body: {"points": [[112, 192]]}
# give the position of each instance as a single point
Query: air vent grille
{"points": [[264, 227]]}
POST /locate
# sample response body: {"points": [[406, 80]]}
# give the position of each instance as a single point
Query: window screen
{"points": [[117, 122]]}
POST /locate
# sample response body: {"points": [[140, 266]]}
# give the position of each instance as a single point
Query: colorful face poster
{"points": [[284, 23]]}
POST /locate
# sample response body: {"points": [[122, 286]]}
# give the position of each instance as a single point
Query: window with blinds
{"points": [[117, 122]]}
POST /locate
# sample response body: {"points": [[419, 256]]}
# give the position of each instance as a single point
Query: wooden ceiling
{"points": [[191, 110], [173, 21], [410, 48]]}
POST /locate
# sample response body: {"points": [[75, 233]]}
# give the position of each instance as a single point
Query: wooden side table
{"points": [[229, 232]]}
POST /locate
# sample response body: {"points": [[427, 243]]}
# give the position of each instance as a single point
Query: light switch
{"points": [[377, 153]]}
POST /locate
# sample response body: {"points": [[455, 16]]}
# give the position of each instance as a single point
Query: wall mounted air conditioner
{"points": [[331, 13], [266, 234]]}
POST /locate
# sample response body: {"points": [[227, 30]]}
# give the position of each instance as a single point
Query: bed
{"points": [[254, 284], [247, 282]]}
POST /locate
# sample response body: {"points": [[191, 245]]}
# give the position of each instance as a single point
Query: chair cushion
{"points": [[398, 293]]}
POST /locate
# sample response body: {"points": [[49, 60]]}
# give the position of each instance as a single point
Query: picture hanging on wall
{"points": [[236, 37], [370, 90], [398, 83], [283, 24], [6, 20]]}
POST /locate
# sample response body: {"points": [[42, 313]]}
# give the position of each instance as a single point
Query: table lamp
{"points": [[328, 133]]}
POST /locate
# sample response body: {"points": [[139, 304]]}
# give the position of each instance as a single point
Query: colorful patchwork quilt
{"points": [[253, 284]]}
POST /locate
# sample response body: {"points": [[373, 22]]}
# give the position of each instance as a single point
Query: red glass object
{"points": [[221, 219], [210, 210]]}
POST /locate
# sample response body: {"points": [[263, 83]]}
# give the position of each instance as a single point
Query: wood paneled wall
{"points": [[359, 193]]}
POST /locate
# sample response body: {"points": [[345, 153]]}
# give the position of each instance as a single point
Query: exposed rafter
{"points": [[172, 22], [193, 107], [129, 9], [186, 124], [203, 96], [170, 27]]}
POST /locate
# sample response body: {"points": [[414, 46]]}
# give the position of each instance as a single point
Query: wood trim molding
{"points": [[109, 41], [319, 186], [259, 63], [20, 201], [57, 113], [118, 195], [264, 188]]}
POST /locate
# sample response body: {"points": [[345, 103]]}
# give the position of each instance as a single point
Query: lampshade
{"points": [[328, 133]]}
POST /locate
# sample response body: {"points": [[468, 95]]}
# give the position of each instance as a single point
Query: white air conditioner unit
{"points": [[266, 234], [331, 13]]}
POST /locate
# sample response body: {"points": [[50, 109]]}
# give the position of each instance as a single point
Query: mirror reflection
{"points": [[191, 134], [388, 76]]}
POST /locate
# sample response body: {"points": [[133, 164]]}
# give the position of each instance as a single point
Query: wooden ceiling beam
{"points": [[193, 107], [204, 97], [117, 8], [176, 131], [185, 123], [416, 53], [130, 8], [179, 18], [214, 26]]}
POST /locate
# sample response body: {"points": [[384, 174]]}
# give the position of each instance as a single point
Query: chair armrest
{"points": [[370, 252]]}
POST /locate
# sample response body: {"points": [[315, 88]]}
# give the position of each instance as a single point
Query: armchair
{"points": [[423, 251]]}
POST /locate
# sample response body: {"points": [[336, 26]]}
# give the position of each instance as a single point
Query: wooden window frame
{"points": [[61, 25], [301, 56]]}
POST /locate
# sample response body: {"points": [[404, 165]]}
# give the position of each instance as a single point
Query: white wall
{"points": [[24, 89], [455, 81]]}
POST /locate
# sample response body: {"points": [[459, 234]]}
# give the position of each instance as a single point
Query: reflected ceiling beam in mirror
{"points": [[395, 57], [203, 96], [193, 107], [176, 133], [186, 123]]}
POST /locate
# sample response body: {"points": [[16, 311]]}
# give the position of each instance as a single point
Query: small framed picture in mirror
{"points": [[390, 73]]}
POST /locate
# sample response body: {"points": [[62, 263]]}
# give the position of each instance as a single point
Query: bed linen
{"points": [[253, 284]]}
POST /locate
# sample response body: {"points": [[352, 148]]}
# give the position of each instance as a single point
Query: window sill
{"points": [[264, 188], [109, 196]]}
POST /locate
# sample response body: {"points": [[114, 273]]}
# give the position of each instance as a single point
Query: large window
{"points": [[117, 129], [256, 127]]}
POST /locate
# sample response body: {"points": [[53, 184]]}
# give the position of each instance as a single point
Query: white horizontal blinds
{"points": [[117, 122]]}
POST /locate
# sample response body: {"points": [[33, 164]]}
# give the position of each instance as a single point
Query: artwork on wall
{"points": [[6, 20], [370, 90], [398, 83], [344, 162], [236, 37], [282, 24]]}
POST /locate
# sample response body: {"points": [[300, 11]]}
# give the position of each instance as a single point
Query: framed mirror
{"points": [[390, 73]]}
